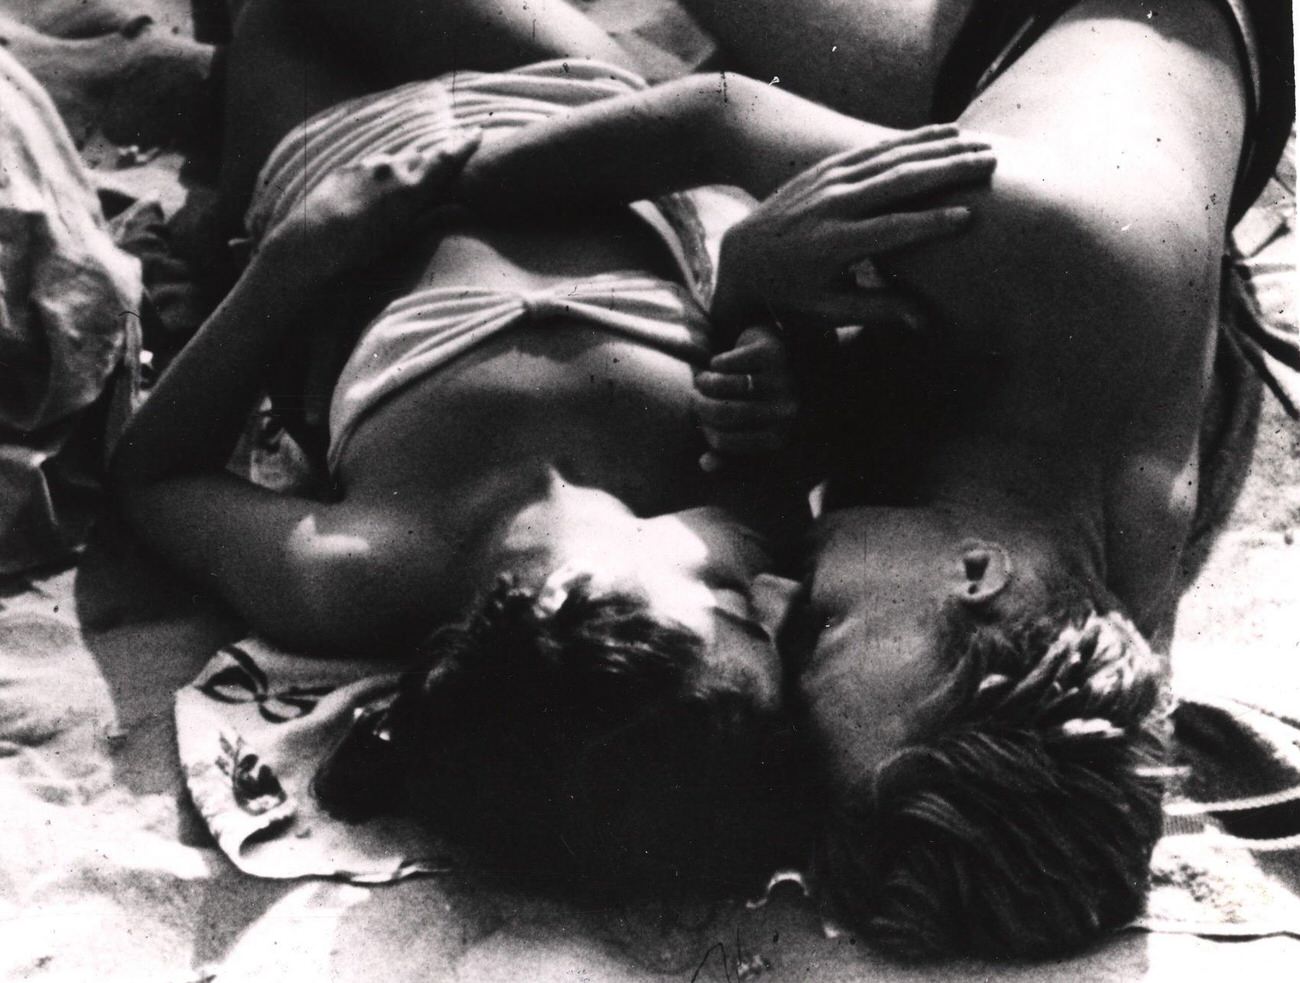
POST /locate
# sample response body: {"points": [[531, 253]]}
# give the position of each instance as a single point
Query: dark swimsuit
{"points": [[997, 32]]}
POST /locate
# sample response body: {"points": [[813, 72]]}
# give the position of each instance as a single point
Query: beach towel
{"points": [[252, 732]]}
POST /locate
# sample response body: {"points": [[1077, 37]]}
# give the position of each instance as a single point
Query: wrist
{"points": [[469, 189], [735, 302], [288, 261]]}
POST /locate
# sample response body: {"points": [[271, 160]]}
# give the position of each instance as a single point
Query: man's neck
{"points": [[1013, 493]]}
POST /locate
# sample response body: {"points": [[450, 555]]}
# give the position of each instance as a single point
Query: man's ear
{"points": [[986, 571]]}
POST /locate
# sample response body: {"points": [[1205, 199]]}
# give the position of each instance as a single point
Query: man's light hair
{"points": [[1019, 816]]}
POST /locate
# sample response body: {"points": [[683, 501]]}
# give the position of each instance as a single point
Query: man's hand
{"points": [[362, 211], [792, 255], [746, 401]]}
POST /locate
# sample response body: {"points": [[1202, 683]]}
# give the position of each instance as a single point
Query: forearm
{"points": [[704, 129], [602, 154], [194, 416]]}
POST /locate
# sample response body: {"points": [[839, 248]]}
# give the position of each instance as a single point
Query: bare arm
{"points": [[837, 190], [702, 129], [297, 569], [255, 548]]}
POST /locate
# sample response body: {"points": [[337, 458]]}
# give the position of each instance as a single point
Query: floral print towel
{"points": [[252, 731]]}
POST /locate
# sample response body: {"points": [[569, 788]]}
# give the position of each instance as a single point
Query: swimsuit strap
{"points": [[420, 333]]}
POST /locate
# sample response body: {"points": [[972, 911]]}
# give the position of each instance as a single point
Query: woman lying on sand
{"points": [[607, 697]]}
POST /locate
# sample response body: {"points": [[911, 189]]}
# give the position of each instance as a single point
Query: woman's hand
{"points": [[792, 255], [745, 400], [360, 212]]}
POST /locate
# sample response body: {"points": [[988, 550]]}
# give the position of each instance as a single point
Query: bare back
{"points": [[1088, 286]]}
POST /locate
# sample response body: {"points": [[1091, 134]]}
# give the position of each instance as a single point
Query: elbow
{"points": [[707, 105], [336, 607], [309, 619]]}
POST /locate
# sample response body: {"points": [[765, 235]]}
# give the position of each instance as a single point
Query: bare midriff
{"points": [[603, 411]]}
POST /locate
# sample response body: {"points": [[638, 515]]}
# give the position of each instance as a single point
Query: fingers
{"points": [[921, 137], [743, 427], [915, 179], [870, 308], [866, 166], [744, 401], [434, 165], [452, 154], [868, 237], [736, 415], [438, 166], [758, 350], [829, 170], [729, 385]]}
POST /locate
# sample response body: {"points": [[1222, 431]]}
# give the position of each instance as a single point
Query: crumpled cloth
{"points": [[253, 730], [1261, 322], [69, 331], [1228, 864]]}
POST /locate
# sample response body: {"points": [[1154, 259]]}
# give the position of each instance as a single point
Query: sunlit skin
{"points": [[525, 419], [1092, 272], [1072, 324], [868, 636], [1077, 316], [1105, 335], [692, 568]]}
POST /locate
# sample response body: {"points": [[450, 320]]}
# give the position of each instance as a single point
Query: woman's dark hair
{"points": [[585, 746], [1019, 817]]}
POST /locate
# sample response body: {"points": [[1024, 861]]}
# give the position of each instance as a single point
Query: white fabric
{"points": [[252, 730], [69, 328]]}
